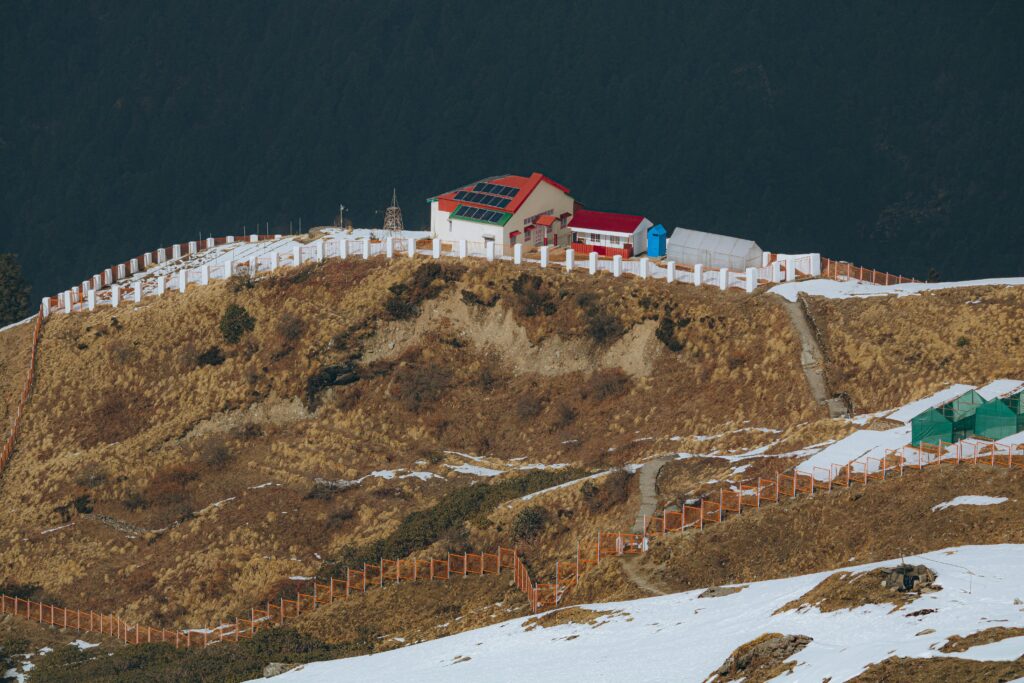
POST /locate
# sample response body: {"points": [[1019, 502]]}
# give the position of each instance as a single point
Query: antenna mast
{"points": [[393, 215]]}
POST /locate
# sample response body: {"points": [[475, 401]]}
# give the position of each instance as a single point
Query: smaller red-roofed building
{"points": [[608, 234], [506, 210]]}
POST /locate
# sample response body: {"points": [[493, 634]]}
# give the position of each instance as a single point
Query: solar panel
{"points": [[461, 194]]}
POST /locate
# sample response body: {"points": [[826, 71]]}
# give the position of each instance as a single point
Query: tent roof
{"points": [[719, 244], [962, 406]]}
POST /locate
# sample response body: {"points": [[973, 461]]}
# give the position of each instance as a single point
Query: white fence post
{"points": [[115, 295], [777, 271], [92, 300], [410, 246], [544, 256], [489, 249], [147, 260], [121, 271], [342, 248], [723, 278], [790, 271], [108, 276], [182, 280], [254, 238], [643, 267], [160, 285], [319, 250], [275, 260], [97, 282], [296, 255], [517, 254], [193, 247], [570, 260], [229, 268], [133, 266], [766, 259], [176, 251], [616, 265], [161, 255], [138, 291], [210, 243], [435, 248], [67, 301], [230, 239], [204, 274], [670, 274], [46, 307], [592, 265], [815, 265], [751, 283], [389, 247], [366, 248], [463, 249]]}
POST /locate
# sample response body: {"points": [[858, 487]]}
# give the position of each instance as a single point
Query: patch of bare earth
{"points": [[762, 659], [570, 615], [989, 635], [932, 669], [846, 590]]}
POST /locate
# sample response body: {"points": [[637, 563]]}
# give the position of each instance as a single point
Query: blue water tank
{"points": [[656, 238]]}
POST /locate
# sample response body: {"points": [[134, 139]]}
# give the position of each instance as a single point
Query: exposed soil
{"points": [[845, 590], [933, 669], [760, 660], [569, 615], [989, 635]]}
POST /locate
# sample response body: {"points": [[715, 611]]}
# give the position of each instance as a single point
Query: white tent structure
{"points": [[691, 247]]}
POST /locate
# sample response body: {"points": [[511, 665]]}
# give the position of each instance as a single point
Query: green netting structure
{"points": [[950, 422], [1000, 417]]}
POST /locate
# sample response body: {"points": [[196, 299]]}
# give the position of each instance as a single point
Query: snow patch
{"points": [[969, 500]]}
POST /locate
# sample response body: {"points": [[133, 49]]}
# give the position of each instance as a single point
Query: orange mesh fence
{"points": [[750, 496], [840, 270], [786, 484], [803, 483]]}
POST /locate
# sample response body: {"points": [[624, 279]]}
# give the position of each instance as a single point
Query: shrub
{"points": [[92, 477], [529, 405], [962, 341], [214, 453], [532, 297], [329, 376], [419, 385], [529, 523], [134, 501], [605, 384], [666, 334], [564, 415], [611, 492], [241, 281], [290, 328], [235, 322], [211, 356], [603, 326], [399, 309]]}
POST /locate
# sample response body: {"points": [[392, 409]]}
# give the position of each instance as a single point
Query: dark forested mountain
{"points": [[885, 133]]}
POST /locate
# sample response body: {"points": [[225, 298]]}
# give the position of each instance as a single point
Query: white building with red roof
{"points": [[608, 234], [506, 210]]}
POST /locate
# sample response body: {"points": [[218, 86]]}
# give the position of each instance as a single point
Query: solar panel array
{"points": [[491, 188], [464, 211], [481, 198]]}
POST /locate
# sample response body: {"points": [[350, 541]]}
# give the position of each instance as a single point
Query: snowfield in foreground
{"points": [[682, 637]]}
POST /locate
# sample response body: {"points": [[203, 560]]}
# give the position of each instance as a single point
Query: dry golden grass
{"points": [[931, 669], [15, 351], [846, 590], [989, 635], [886, 351]]}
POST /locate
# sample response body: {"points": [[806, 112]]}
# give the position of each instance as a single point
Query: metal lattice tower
{"points": [[393, 215]]}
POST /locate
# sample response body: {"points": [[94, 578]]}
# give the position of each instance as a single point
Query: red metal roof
{"points": [[548, 220], [526, 187], [585, 219]]}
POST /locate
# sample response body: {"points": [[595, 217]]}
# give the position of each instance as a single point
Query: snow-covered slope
{"points": [[835, 289], [684, 638]]}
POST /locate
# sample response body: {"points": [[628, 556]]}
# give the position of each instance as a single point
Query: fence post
{"points": [[193, 247], [815, 265], [319, 250], [790, 270], [751, 281], [776, 271], [670, 271], [463, 249], [366, 248], [97, 282], [67, 300], [570, 258], [255, 237], [133, 266], [121, 271], [229, 268], [210, 243], [275, 260], [723, 279], [592, 263], [45, 309], [643, 267], [115, 296], [389, 247], [342, 248], [138, 291], [616, 265], [182, 280], [160, 285], [204, 274], [698, 274], [410, 247], [435, 247], [108, 276], [544, 256], [176, 251], [489, 249], [517, 254], [92, 300], [296, 255]]}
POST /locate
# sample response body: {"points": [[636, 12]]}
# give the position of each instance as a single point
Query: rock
{"points": [[276, 669], [906, 577]]}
